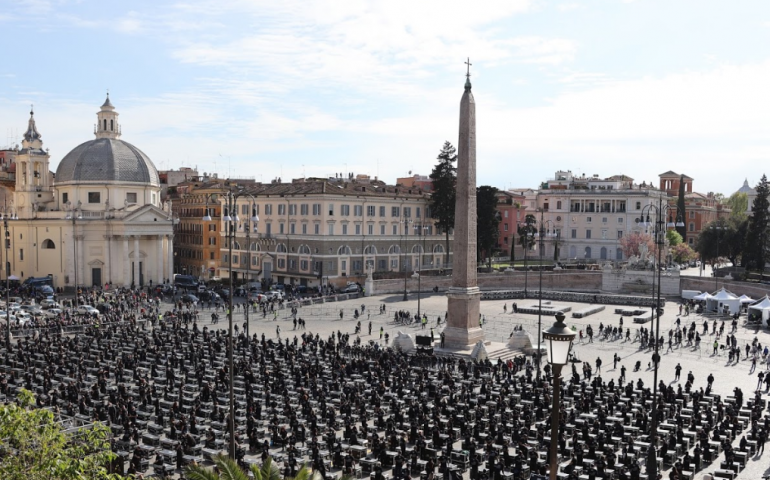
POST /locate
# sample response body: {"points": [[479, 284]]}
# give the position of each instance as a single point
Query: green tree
{"points": [[682, 253], [487, 220], [739, 206], [527, 233], [722, 239], [673, 238], [680, 210], [755, 253], [443, 194], [229, 470], [34, 446]]}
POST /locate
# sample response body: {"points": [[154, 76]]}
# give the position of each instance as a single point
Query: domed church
{"points": [[99, 220]]}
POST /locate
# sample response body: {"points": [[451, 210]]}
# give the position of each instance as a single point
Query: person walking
{"points": [[622, 374], [678, 370], [615, 360], [760, 379], [382, 332], [598, 365], [278, 331]]}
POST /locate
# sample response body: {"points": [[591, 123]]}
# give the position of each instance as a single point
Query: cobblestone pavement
{"points": [[325, 319]]}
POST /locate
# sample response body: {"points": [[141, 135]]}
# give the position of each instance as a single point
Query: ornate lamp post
{"points": [[421, 231], [73, 215], [527, 230], [231, 221], [7, 289], [405, 222], [659, 227], [251, 222], [541, 240], [559, 339], [717, 230]]}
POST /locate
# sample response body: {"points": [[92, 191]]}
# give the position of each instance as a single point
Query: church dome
{"points": [[107, 159]]}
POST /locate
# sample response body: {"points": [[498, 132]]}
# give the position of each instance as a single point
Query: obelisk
{"points": [[462, 328]]}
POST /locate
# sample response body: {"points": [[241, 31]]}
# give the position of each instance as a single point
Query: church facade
{"points": [[98, 220]]}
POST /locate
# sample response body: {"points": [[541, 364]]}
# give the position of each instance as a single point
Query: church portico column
{"points": [[107, 259], [126, 263], [159, 262], [136, 260], [79, 240], [170, 257]]}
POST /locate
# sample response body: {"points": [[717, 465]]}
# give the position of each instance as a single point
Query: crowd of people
{"points": [[338, 404]]}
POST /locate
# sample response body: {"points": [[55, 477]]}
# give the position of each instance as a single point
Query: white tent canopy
{"points": [[761, 309], [723, 302], [746, 299], [701, 297]]}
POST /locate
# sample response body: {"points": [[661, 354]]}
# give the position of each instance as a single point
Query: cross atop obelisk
{"points": [[462, 328]]}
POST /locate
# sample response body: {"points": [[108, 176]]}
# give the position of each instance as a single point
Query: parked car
{"points": [[223, 292], [104, 307], [352, 288], [32, 309], [53, 312], [49, 303], [23, 318], [209, 296], [274, 295], [87, 310], [188, 297]]}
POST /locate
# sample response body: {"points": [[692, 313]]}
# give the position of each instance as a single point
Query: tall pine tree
{"points": [[755, 252], [680, 211], [444, 179], [487, 220]]}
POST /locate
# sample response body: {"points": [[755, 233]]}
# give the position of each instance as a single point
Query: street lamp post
{"points": [[659, 230], [251, 222], [405, 235], [559, 339], [230, 223], [529, 236], [7, 293], [541, 240], [420, 230], [75, 215], [717, 230]]}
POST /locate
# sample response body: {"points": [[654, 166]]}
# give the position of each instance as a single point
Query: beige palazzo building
{"points": [[98, 220]]}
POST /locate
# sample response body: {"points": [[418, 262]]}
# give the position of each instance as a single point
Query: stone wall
{"points": [[640, 282], [706, 284], [581, 281]]}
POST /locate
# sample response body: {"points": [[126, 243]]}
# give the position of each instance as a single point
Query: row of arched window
{"points": [[343, 250]]}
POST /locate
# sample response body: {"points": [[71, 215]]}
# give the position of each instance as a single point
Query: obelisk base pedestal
{"points": [[462, 337], [462, 328]]}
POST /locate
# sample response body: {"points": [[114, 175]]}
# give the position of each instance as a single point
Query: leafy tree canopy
{"points": [[673, 238], [755, 251], [487, 219], [35, 446], [443, 194]]}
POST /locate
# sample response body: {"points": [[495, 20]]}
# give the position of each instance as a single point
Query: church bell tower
{"points": [[33, 179], [107, 121]]}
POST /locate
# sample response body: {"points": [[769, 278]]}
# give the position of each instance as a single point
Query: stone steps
{"points": [[503, 353]]}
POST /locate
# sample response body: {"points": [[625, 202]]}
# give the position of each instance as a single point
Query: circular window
{"points": [[558, 219]]}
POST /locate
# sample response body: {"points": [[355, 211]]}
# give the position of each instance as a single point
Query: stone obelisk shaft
{"points": [[462, 327]]}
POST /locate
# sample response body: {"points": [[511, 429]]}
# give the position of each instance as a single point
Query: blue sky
{"points": [[268, 89]]}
